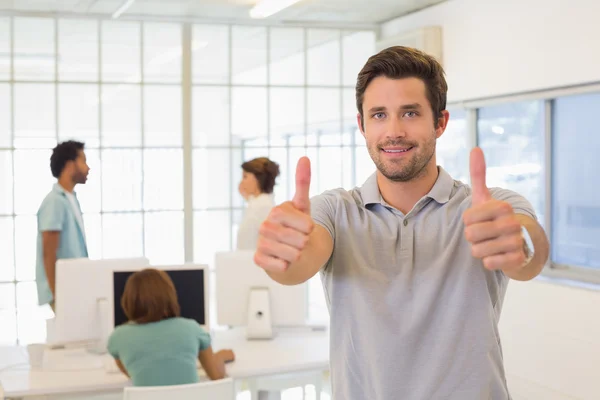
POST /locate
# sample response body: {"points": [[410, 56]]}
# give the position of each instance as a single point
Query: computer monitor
{"points": [[191, 286], [81, 286], [248, 297]]}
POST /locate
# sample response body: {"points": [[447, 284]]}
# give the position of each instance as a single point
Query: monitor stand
{"points": [[100, 347], [259, 324]]}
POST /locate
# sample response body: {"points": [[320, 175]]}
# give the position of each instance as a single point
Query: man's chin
{"points": [[398, 175]]}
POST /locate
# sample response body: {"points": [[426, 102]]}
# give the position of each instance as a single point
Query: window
{"points": [[512, 138], [34, 115], [34, 56], [575, 166], [121, 51], [82, 80], [323, 58], [286, 56], [249, 55], [295, 107], [286, 114], [121, 115], [210, 54], [453, 147], [210, 116], [119, 87], [162, 52], [78, 113], [249, 116], [357, 47], [5, 39], [78, 50], [5, 116]]}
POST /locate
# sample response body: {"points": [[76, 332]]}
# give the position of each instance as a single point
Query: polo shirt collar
{"points": [[440, 192]]}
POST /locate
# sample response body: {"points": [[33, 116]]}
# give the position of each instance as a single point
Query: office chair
{"points": [[222, 389]]}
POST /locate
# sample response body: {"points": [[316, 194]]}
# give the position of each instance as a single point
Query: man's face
{"points": [[80, 168], [399, 127]]}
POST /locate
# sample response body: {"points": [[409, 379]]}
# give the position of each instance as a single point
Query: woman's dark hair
{"points": [[265, 171], [150, 296], [62, 153]]}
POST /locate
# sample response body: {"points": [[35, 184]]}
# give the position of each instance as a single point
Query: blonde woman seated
{"points": [[157, 347]]}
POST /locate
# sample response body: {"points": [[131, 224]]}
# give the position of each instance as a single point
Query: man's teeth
{"points": [[396, 151]]}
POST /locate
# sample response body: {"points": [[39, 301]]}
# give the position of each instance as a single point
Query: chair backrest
{"points": [[222, 389]]}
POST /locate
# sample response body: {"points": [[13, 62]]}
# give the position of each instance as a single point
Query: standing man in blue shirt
{"points": [[61, 233]]}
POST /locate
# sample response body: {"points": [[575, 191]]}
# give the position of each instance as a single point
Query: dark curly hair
{"points": [[63, 152], [265, 171]]}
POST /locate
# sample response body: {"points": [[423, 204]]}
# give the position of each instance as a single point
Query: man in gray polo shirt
{"points": [[414, 264]]}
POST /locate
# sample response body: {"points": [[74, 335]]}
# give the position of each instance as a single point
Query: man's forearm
{"points": [[295, 274], [541, 249], [50, 268], [316, 254]]}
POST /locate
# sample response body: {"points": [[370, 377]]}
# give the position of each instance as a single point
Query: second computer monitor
{"points": [[190, 284], [246, 295]]}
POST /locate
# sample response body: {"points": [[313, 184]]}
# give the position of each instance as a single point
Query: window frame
{"points": [[566, 274], [186, 85]]}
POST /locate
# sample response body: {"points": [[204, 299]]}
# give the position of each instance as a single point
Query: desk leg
{"points": [[318, 389], [273, 395]]}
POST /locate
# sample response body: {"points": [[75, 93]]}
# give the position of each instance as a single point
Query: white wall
{"points": [[550, 333], [495, 47], [551, 341]]}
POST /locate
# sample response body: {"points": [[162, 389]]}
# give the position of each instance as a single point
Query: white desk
{"points": [[290, 352]]}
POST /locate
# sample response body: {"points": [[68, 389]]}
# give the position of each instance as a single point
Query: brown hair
{"points": [[265, 172], [150, 296], [399, 62]]}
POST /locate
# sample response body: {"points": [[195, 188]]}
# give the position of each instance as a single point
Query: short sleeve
{"points": [[322, 211], [519, 203], [51, 215], [204, 339], [114, 344]]}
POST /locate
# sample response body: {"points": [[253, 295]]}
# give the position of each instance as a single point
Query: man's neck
{"points": [[66, 184], [404, 195]]}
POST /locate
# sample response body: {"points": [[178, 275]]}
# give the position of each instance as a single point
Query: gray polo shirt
{"points": [[414, 316]]}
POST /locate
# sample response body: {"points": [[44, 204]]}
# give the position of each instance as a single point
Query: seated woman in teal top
{"points": [[157, 347]]}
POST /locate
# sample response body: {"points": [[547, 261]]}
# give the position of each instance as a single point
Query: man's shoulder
{"points": [[52, 205], [53, 198], [340, 196]]}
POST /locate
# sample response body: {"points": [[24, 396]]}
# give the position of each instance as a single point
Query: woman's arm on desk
{"points": [[121, 367], [214, 363]]}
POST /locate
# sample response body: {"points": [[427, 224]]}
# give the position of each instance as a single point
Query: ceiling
{"points": [[305, 11]]}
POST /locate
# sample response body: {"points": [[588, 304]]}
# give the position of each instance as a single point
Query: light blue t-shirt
{"points": [[160, 353], [56, 213]]}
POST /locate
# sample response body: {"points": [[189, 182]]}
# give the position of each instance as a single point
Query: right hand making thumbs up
{"points": [[285, 232]]}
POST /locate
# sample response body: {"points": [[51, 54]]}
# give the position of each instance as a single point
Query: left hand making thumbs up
{"points": [[491, 226]]}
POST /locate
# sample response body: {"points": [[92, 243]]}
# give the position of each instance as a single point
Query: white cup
{"points": [[36, 355]]}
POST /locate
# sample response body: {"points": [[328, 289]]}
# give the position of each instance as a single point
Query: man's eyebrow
{"points": [[404, 107], [412, 106], [377, 109]]}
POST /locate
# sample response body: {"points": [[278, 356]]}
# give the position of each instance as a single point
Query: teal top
{"points": [[160, 353], [56, 213]]}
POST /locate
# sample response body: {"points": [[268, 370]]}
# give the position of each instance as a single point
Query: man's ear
{"points": [[360, 122], [442, 123]]}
